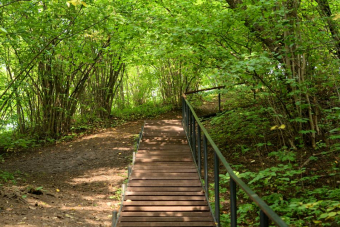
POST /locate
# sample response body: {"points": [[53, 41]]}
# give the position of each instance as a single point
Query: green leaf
{"points": [[334, 137], [331, 214], [324, 215], [3, 30]]}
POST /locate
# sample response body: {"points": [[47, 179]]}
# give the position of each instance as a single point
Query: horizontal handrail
{"points": [[207, 89], [252, 195]]}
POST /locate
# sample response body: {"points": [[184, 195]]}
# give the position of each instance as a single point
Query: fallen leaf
{"points": [[274, 127], [68, 216]]}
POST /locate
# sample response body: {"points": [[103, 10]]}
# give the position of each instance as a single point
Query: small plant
{"points": [[68, 137], [283, 154], [118, 195], [6, 176]]}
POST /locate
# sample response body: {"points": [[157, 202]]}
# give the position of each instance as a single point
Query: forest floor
{"points": [[74, 183]]}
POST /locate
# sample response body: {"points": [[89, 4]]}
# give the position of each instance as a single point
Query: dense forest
{"points": [[65, 65]]}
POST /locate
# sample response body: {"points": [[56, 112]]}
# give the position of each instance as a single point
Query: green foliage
{"points": [[283, 154], [68, 137], [10, 141], [282, 188], [118, 195], [240, 124], [6, 176]]}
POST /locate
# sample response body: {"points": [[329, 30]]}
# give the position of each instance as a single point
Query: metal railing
{"points": [[194, 130]]}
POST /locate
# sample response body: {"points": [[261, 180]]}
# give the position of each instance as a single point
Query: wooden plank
{"points": [[197, 224], [162, 153], [164, 159], [165, 134], [164, 203], [174, 147], [164, 178], [166, 219], [173, 183], [165, 189], [165, 208], [134, 193], [158, 166], [163, 127], [161, 122], [165, 198], [152, 175], [164, 139], [170, 164], [148, 166], [165, 151], [161, 224], [173, 129], [166, 214], [165, 142], [165, 165], [158, 170]]}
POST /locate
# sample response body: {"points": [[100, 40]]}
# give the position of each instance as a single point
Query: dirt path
{"points": [[71, 184]]}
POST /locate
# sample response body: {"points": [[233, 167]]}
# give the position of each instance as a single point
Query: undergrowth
{"points": [[13, 141], [300, 183]]}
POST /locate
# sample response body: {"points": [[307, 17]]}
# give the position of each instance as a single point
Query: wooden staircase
{"points": [[164, 188]]}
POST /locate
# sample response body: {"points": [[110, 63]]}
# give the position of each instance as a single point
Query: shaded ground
{"points": [[70, 184]]}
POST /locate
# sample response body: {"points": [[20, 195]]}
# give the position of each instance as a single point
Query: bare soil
{"points": [[74, 183]]}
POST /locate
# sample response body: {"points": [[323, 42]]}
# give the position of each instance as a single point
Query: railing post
{"points": [[194, 137], [114, 218], [217, 188], [263, 219], [205, 164], [190, 126], [134, 157], [129, 171], [186, 117], [233, 208], [183, 109], [219, 101], [199, 150]]}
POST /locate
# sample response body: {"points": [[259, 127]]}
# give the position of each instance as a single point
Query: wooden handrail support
{"points": [[207, 89]]}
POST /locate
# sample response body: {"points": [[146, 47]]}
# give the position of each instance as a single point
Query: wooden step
{"points": [[159, 176], [165, 198]]}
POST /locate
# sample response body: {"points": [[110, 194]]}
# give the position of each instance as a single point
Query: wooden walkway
{"points": [[164, 188]]}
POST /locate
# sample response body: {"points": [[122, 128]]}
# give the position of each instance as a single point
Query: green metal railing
{"points": [[194, 130]]}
